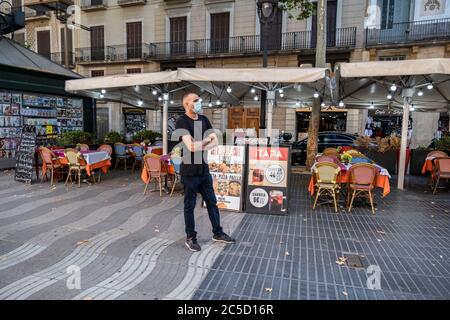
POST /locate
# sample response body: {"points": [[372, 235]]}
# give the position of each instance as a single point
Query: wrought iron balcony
{"points": [[59, 57], [288, 42], [128, 3], [426, 31], [116, 53], [94, 5]]}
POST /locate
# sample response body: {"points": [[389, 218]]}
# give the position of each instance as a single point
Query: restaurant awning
{"points": [[422, 83]]}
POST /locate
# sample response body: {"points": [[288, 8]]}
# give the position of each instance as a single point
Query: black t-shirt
{"points": [[194, 162]]}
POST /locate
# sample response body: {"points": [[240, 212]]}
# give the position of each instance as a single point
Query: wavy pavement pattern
{"points": [[199, 265], [139, 265], [143, 260], [42, 241], [82, 255], [59, 212], [26, 207]]}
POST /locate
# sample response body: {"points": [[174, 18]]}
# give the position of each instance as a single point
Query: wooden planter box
{"points": [[387, 160], [417, 159]]}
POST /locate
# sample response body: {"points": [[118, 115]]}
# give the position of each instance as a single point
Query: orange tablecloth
{"points": [[144, 173], [427, 166], [381, 182], [102, 165]]}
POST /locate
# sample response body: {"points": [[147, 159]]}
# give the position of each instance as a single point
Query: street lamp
{"points": [[267, 12]]}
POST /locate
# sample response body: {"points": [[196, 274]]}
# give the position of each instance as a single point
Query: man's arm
{"points": [[210, 141], [194, 146]]}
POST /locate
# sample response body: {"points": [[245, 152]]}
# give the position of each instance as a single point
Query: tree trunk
{"points": [[321, 48]]}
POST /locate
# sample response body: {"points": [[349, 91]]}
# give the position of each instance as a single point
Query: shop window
{"points": [[97, 73], [391, 58], [134, 70]]}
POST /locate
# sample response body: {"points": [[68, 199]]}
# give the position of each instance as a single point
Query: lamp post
{"points": [[267, 12]]}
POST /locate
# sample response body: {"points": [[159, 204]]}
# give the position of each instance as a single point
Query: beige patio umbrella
{"points": [[423, 83]]}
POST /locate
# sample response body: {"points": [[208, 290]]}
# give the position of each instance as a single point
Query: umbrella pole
{"points": [[401, 166], [270, 103], [164, 128]]}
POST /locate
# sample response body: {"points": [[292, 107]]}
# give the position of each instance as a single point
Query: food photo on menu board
{"points": [[268, 174], [226, 165]]}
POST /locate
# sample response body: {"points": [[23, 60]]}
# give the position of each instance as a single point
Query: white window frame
{"points": [[141, 20], [219, 8]]}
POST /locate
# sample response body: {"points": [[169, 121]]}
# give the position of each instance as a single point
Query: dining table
{"points": [[382, 178], [92, 159], [428, 165]]}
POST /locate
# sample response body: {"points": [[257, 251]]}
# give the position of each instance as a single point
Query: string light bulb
{"points": [[103, 91], [393, 87], [341, 103], [316, 94], [389, 96], [140, 103], [420, 93], [252, 90], [430, 86], [154, 92]]}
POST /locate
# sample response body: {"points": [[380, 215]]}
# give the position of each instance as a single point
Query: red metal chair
{"points": [[107, 148], [50, 162]]}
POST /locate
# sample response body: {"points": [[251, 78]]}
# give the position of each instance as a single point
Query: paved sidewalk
{"points": [[128, 246], [131, 246], [294, 257]]}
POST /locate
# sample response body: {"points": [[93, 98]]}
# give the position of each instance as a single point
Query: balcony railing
{"points": [[127, 3], [344, 38], [291, 41], [92, 5], [410, 32], [116, 53], [59, 57]]}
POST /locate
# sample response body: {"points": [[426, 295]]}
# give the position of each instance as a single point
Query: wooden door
{"points": [[43, 43], [69, 47], [178, 35], [331, 24], [98, 43], [134, 40], [273, 32], [247, 118], [220, 32]]}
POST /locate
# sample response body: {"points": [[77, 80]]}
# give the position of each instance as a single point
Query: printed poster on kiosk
{"points": [[226, 165], [268, 175]]}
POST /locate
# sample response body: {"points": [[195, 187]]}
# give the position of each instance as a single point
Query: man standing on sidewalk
{"points": [[194, 171]]}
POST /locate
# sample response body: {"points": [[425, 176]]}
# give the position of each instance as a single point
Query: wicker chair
{"points": [[121, 154], [138, 154], [152, 163], [76, 164], [362, 183], [84, 147], [330, 158], [331, 152], [176, 163], [326, 177], [441, 170], [51, 162], [437, 154], [107, 148]]}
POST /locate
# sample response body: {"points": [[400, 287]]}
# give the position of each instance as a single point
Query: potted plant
{"points": [[443, 144], [113, 137], [146, 135], [72, 138]]}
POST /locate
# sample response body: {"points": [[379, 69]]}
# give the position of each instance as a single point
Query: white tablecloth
{"points": [[94, 157]]}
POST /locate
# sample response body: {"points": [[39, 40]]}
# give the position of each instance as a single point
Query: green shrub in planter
{"points": [[147, 135], [113, 137], [443, 144], [72, 138]]}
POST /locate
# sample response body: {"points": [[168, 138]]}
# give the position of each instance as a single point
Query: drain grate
{"points": [[353, 261]]}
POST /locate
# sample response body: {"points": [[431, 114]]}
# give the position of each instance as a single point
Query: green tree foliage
{"points": [[304, 8]]}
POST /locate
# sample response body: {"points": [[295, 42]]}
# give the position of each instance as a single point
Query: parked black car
{"points": [[327, 139]]}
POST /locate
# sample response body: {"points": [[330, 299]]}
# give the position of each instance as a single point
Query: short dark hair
{"points": [[187, 94]]}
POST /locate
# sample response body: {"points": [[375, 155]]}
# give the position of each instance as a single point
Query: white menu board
{"points": [[226, 165]]}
